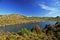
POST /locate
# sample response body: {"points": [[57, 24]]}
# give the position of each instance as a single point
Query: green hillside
{"points": [[15, 19], [12, 19]]}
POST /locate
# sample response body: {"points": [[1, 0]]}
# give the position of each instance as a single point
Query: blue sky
{"points": [[31, 7]]}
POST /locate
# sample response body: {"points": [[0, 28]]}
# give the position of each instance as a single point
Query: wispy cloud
{"points": [[52, 8], [45, 7], [56, 2]]}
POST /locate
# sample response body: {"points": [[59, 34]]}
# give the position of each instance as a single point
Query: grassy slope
{"points": [[16, 19], [20, 19]]}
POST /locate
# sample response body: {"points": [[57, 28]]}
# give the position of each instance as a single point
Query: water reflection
{"points": [[16, 28]]}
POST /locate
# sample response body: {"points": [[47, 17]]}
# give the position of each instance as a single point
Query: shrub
{"points": [[24, 31]]}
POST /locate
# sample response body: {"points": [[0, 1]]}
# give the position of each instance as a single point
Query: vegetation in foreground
{"points": [[50, 32]]}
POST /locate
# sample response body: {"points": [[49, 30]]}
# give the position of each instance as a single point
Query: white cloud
{"points": [[57, 2], [52, 12], [45, 7]]}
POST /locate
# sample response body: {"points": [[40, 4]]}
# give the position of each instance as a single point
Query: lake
{"points": [[16, 28]]}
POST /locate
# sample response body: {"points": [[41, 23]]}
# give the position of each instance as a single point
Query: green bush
{"points": [[25, 31]]}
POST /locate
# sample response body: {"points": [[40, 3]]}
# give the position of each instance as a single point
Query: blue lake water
{"points": [[16, 28]]}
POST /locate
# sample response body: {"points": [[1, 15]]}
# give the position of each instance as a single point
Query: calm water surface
{"points": [[16, 28]]}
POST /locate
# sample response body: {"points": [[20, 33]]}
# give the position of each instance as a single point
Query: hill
{"points": [[12, 19], [15, 19]]}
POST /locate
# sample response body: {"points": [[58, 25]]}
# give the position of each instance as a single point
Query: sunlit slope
{"points": [[21, 19], [15, 19]]}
